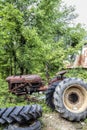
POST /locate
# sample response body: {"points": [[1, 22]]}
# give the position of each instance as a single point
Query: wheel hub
{"points": [[74, 98]]}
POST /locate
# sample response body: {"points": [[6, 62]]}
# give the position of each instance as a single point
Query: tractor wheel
{"points": [[35, 126], [70, 99], [49, 95], [20, 114]]}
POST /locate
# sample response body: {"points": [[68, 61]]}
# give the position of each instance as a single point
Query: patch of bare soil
{"points": [[53, 121]]}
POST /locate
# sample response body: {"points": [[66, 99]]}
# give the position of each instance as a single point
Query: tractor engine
{"points": [[21, 85]]}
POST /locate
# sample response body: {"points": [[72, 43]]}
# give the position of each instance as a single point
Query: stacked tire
{"points": [[19, 115], [69, 98], [36, 125]]}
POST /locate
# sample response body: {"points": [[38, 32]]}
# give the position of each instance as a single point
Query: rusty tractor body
{"points": [[27, 84], [67, 95]]}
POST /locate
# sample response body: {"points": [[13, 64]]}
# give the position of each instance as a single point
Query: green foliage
{"points": [[7, 99], [74, 35], [36, 36], [79, 73], [10, 28]]}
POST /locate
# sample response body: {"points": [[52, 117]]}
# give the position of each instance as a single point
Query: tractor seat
{"points": [[61, 72]]}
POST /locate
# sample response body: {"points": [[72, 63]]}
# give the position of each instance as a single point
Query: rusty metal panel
{"points": [[23, 79], [80, 60]]}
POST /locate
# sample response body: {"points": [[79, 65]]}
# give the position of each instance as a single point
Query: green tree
{"points": [[34, 35], [10, 36]]}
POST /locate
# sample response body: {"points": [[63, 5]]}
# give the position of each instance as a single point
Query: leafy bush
{"points": [[78, 72]]}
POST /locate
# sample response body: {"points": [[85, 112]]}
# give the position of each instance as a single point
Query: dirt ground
{"points": [[53, 121]]}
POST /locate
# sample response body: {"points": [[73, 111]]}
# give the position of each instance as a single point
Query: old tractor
{"points": [[27, 84], [67, 95]]}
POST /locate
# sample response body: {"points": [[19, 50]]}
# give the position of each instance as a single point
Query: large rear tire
{"points": [[70, 99]]}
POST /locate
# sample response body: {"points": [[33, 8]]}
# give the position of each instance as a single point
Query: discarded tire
{"points": [[49, 95], [20, 114], [70, 99], [35, 126]]}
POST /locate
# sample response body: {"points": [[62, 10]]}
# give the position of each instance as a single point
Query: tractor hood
{"points": [[24, 78]]}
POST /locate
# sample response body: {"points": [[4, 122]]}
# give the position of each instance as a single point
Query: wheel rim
{"points": [[74, 98]]}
